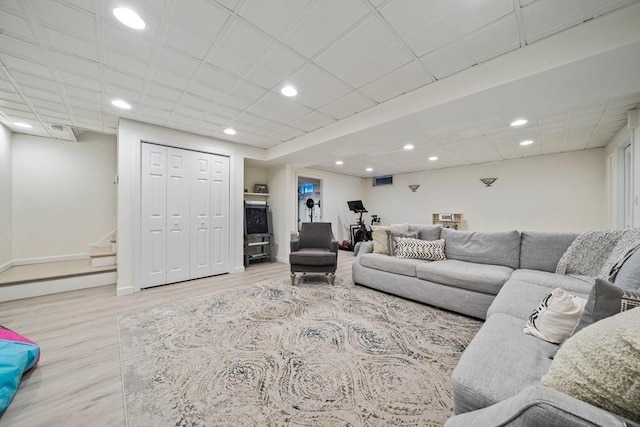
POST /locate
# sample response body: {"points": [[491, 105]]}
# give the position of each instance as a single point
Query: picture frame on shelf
{"points": [[260, 188]]}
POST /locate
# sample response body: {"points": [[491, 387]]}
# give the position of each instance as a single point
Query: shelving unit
{"points": [[448, 220]]}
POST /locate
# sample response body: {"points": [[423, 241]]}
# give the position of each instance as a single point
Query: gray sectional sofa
{"points": [[500, 277]]}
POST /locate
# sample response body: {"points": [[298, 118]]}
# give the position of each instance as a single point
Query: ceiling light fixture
{"points": [[229, 131], [527, 142], [408, 147], [129, 18], [369, 169], [339, 162], [519, 122], [22, 125], [121, 104], [289, 91], [433, 158]]}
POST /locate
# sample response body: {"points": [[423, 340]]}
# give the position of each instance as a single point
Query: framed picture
{"points": [[260, 188]]}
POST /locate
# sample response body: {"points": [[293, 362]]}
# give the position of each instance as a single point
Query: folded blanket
{"points": [[17, 355], [598, 254]]}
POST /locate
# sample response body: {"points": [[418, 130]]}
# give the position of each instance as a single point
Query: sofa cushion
{"points": [[541, 250], [467, 275], [629, 274], [426, 232], [316, 257], [553, 280], [519, 299], [494, 247], [600, 365], [499, 363], [405, 267]]}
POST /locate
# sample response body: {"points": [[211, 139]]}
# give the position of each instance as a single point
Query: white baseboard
{"points": [[24, 261], [54, 286]]}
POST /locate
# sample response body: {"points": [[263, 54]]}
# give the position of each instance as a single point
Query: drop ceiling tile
{"points": [[312, 121], [216, 79], [20, 48], [493, 40], [204, 91], [75, 64], [16, 26], [170, 79], [399, 81], [163, 92], [17, 64], [185, 41], [348, 105], [122, 62], [124, 42], [83, 48], [366, 40], [201, 16], [177, 63], [446, 61], [322, 24], [377, 66], [67, 18], [545, 17], [124, 80], [273, 17], [245, 41], [275, 68]]}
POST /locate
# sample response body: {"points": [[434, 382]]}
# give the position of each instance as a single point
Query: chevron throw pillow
{"points": [[432, 250]]}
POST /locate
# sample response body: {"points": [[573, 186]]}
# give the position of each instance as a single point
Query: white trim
{"points": [[54, 286], [25, 261]]}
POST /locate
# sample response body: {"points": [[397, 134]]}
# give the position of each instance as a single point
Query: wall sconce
{"points": [[414, 187], [488, 181]]}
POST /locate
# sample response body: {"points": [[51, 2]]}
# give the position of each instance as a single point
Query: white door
{"points": [[178, 200], [200, 251], [154, 215], [220, 214]]}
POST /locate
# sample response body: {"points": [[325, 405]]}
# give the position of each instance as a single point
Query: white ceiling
{"points": [[204, 65]]}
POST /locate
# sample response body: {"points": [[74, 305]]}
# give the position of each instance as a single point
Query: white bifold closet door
{"points": [[185, 215]]}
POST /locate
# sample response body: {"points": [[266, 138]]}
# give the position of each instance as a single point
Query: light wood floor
{"points": [[78, 382]]}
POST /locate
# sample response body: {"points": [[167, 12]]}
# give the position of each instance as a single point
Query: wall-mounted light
{"points": [[414, 187], [488, 182]]}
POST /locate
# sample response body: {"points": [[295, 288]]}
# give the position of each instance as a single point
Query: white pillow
{"points": [[380, 239], [556, 316], [407, 247]]}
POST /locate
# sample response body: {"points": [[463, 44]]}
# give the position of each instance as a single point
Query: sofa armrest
{"points": [[539, 405]]}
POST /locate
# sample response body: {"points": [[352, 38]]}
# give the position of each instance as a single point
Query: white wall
{"points": [[557, 192], [6, 198], [130, 136], [64, 197]]}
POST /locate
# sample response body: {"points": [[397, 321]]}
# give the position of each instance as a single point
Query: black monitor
{"points": [[356, 206]]}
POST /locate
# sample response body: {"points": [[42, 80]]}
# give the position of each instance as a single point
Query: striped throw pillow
{"points": [[432, 250]]}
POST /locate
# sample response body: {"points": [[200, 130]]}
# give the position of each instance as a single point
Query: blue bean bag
{"points": [[17, 355]]}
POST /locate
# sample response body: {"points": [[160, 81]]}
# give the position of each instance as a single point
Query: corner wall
{"points": [[556, 192], [64, 197], [6, 198]]}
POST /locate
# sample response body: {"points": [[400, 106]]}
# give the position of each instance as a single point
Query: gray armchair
{"points": [[315, 250]]}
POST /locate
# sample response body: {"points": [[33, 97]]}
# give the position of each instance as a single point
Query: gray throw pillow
{"points": [[606, 300], [392, 243]]}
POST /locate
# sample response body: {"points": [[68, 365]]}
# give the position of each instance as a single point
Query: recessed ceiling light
{"points": [[369, 169], [519, 122], [408, 147], [339, 162], [129, 18], [229, 131], [22, 125], [527, 142], [121, 104], [433, 158], [289, 91]]}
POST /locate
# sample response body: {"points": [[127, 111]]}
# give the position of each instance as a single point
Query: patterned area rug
{"points": [[273, 354]]}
